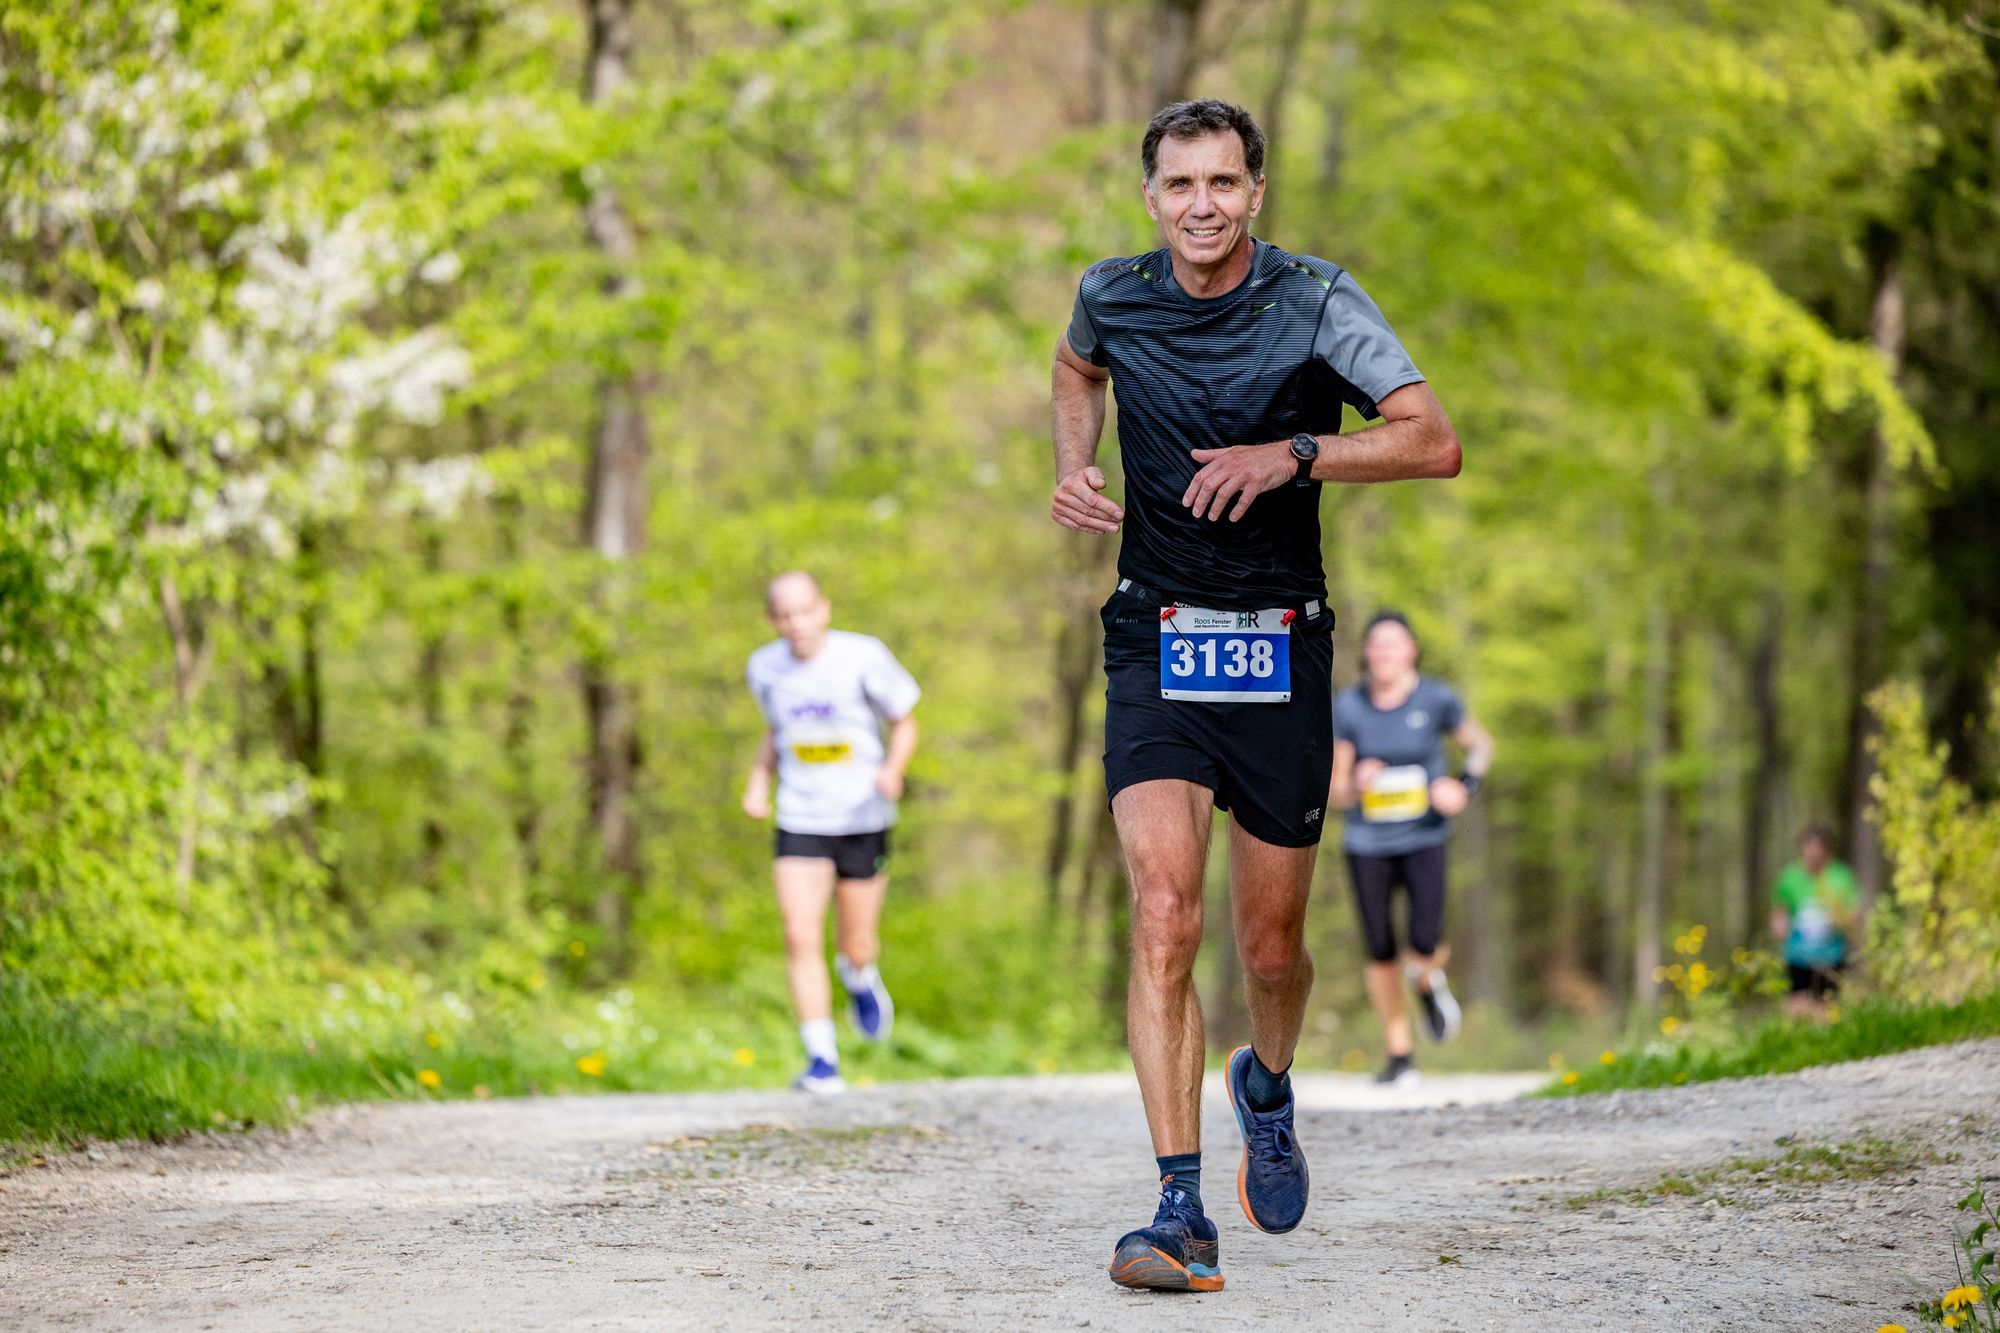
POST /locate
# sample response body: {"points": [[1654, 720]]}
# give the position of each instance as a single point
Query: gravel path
{"points": [[989, 1203]]}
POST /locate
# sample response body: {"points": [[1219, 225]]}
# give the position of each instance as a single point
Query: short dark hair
{"points": [[1388, 617], [1192, 120], [1816, 832]]}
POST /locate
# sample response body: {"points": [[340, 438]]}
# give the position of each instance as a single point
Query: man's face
{"points": [[1203, 198], [1815, 854], [799, 612]]}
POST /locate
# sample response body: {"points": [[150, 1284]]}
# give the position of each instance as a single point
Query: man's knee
{"points": [[1166, 927], [1272, 956]]}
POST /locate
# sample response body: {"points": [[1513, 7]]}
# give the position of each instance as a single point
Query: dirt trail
{"points": [[990, 1203]]}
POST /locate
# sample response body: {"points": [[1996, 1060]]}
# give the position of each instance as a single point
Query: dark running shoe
{"points": [[1400, 1072], [1271, 1183], [1441, 1014], [1179, 1252], [869, 1006]]}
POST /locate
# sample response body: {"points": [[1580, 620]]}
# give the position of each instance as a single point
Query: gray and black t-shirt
{"points": [[1276, 356], [1394, 816]]}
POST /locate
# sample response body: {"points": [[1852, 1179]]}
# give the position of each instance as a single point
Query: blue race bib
{"points": [[1242, 657]]}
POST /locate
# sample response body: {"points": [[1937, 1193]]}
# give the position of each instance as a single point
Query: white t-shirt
{"points": [[826, 716]]}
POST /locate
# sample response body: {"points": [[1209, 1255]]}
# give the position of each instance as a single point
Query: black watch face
{"points": [[1304, 447]]}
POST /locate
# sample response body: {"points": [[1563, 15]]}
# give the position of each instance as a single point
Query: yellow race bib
{"points": [[1397, 796], [823, 752]]}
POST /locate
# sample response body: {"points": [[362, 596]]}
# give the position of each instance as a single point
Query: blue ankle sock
{"points": [[1183, 1169], [1267, 1091]]}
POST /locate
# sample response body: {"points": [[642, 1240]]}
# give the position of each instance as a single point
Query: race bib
{"points": [[1242, 657], [823, 752], [1397, 796]]}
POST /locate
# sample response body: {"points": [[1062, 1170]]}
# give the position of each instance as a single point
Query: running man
{"points": [[1815, 906], [1232, 359], [1389, 772], [825, 695]]}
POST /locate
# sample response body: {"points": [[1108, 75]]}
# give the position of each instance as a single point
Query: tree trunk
{"points": [[1768, 770], [614, 519], [194, 651], [1176, 48], [1649, 875], [1871, 624], [1340, 86]]}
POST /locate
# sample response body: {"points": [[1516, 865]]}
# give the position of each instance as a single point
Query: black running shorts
{"points": [[1376, 879], [1819, 982], [1267, 763], [854, 855]]}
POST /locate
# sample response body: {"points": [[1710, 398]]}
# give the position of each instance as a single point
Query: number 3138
{"points": [[1235, 657]]}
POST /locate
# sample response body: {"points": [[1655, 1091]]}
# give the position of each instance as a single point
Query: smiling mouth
{"points": [[1203, 233]]}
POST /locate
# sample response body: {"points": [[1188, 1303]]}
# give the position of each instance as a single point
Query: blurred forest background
{"points": [[406, 400]]}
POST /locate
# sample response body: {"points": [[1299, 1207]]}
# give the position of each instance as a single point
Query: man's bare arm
{"points": [[1414, 439], [1076, 421]]}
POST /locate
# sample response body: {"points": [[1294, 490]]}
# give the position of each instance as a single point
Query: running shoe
{"points": [[1179, 1252], [1271, 1182], [868, 1004], [1441, 1013], [820, 1077], [1400, 1072]]}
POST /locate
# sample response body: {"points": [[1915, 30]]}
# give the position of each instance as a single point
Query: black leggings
{"points": [[1376, 878]]}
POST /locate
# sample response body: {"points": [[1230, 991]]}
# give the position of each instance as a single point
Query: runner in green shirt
{"points": [[1815, 907]]}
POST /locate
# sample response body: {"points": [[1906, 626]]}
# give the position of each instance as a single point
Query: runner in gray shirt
{"points": [[1390, 775]]}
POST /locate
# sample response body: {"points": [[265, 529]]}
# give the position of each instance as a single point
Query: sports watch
{"points": [[1305, 448]]}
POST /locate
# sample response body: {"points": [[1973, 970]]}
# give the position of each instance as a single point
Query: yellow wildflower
{"points": [[1697, 935], [429, 1078], [1892, 1328], [1608, 1058], [576, 948], [745, 1056], [1833, 1013], [1669, 1025], [1571, 1079], [433, 1040], [1953, 1320], [592, 1064], [1960, 1297]]}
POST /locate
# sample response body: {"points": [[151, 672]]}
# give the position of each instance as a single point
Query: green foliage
{"points": [[1974, 1302], [1936, 934], [1779, 1046], [300, 349]]}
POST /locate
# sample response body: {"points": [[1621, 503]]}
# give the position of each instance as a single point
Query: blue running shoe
{"points": [[1179, 1252], [868, 1002], [821, 1077], [1271, 1183]]}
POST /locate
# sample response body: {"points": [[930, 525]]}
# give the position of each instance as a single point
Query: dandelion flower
{"points": [[1669, 1025], [1960, 1297], [433, 1040], [592, 1064], [1608, 1058], [429, 1078], [1892, 1328], [745, 1056], [1571, 1079], [1953, 1320]]}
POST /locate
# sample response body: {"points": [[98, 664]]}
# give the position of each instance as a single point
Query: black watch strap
{"points": [[1470, 782]]}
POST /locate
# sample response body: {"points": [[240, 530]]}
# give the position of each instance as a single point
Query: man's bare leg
{"points": [[1163, 827], [1268, 890]]}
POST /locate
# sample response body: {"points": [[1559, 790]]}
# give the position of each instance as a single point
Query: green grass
{"points": [[1870, 1157], [1873, 1027], [71, 1077]]}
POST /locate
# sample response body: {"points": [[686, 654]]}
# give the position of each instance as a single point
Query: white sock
{"points": [[852, 977], [819, 1040]]}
